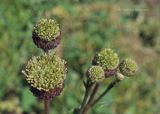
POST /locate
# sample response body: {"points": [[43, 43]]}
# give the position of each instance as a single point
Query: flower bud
{"points": [[95, 74], [46, 34], [120, 76], [108, 60], [46, 75], [128, 67]]}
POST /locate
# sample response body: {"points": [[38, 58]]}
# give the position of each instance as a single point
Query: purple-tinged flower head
{"points": [[46, 34], [108, 60]]}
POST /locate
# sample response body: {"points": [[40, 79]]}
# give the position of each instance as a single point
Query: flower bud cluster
{"points": [[106, 64]]}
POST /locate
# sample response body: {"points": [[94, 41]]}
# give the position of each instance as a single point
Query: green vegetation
{"points": [[87, 26]]}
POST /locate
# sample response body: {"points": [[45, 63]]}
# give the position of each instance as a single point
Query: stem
{"points": [[46, 106], [91, 98], [110, 86], [88, 87], [85, 98], [93, 93]]}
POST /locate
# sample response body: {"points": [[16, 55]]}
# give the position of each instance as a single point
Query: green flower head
{"points": [[96, 73], [46, 72], [128, 67], [47, 29], [108, 59]]}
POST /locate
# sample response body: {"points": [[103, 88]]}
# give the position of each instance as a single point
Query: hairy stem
{"points": [[46, 106]]}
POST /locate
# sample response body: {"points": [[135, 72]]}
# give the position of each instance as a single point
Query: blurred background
{"points": [[130, 27]]}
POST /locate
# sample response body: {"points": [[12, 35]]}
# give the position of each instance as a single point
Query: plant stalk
{"points": [[91, 98], [88, 87], [46, 106], [110, 86]]}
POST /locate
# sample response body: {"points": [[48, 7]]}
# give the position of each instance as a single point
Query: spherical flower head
{"points": [[96, 73], [107, 59], [46, 34], [46, 75], [128, 67], [47, 29], [46, 72]]}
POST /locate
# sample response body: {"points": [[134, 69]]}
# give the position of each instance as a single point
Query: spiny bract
{"points": [[47, 29], [108, 59], [96, 73], [128, 67], [46, 72]]}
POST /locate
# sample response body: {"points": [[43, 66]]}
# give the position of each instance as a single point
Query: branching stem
{"points": [[110, 86], [88, 87], [91, 98]]}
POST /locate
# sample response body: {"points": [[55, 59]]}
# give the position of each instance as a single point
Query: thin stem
{"points": [[110, 86], [93, 93], [91, 98], [88, 87], [46, 106], [85, 98]]}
